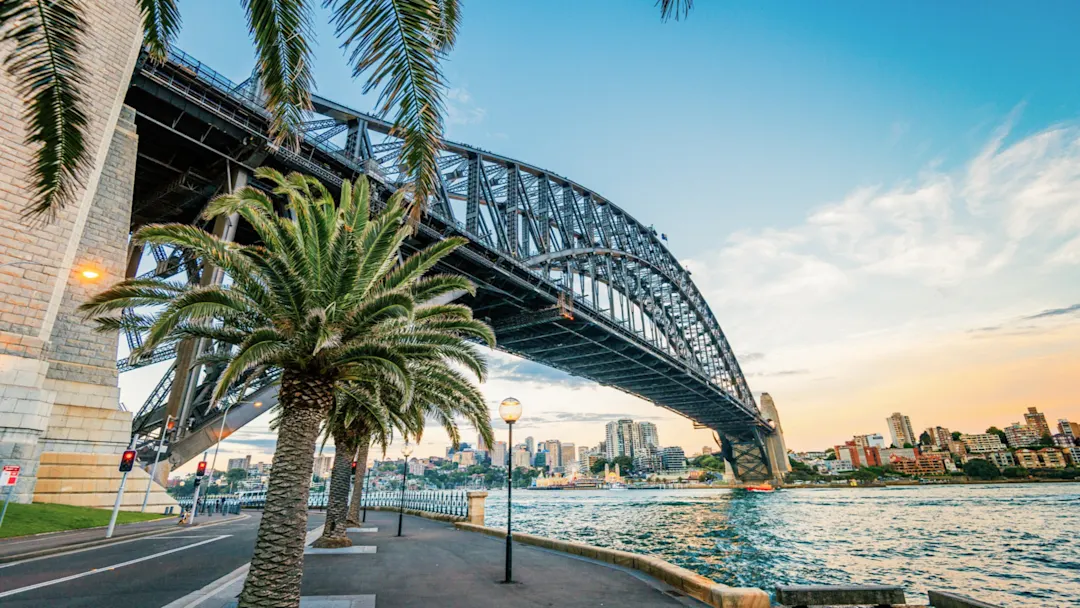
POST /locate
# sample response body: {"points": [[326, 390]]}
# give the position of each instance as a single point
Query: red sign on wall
{"points": [[9, 475]]}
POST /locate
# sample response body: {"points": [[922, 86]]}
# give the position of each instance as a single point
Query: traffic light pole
{"points": [[119, 497], [195, 499], [157, 457]]}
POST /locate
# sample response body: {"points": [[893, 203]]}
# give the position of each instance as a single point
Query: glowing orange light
{"points": [[90, 275]]}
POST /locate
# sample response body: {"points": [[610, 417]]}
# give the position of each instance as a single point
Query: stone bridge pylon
{"points": [[60, 415]]}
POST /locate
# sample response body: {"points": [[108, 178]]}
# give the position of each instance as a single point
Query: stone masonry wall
{"points": [[39, 259]]}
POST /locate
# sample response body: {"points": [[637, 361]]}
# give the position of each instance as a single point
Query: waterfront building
{"points": [[521, 458], [323, 466], [924, 464], [1021, 435], [240, 463], [874, 440], [806, 456], [674, 459], [1073, 455], [553, 447], [568, 457], [859, 456], [981, 443], [619, 438], [959, 447], [1062, 440], [1045, 458], [939, 436], [835, 467], [1037, 420], [900, 429], [649, 460], [1003, 460], [1071, 429], [498, 455], [649, 435], [888, 453]]}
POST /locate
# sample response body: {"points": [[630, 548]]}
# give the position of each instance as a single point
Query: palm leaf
{"points": [[399, 42], [161, 23], [281, 29], [674, 9], [47, 35]]}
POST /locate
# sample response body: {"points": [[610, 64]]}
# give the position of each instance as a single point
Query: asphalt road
{"points": [[166, 567]]}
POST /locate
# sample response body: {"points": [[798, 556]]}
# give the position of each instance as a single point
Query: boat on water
{"points": [[764, 488], [617, 486]]}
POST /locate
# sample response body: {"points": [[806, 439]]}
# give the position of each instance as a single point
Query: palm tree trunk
{"points": [[277, 563], [334, 532], [358, 482]]}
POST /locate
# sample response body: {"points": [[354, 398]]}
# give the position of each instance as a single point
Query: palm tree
{"points": [[398, 43], [440, 393], [323, 298]]}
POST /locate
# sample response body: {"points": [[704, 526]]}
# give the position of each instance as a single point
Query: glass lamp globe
{"points": [[407, 450], [510, 410]]}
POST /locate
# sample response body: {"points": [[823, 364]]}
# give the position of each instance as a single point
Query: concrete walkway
{"points": [[16, 548], [436, 565]]}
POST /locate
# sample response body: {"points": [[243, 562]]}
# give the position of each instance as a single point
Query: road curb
{"points": [[7, 559]]}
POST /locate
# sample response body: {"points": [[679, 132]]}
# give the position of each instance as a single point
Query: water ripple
{"points": [[1013, 545]]}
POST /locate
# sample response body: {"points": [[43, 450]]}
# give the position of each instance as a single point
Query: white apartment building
{"points": [[983, 443]]}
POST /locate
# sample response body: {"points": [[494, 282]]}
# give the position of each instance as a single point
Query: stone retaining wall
{"points": [[690, 583]]}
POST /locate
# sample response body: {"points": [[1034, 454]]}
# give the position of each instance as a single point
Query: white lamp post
{"points": [[405, 451]]}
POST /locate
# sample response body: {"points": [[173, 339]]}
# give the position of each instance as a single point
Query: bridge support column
{"points": [[775, 447]]}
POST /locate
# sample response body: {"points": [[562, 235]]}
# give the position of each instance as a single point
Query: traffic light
{"points": [[354, 467], [201, 470], [127, 461]]}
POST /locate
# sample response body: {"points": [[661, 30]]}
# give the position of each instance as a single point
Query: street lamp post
{"points": [[510, 411], [221, 437], [404, 473], [157, 457], [363, 492]]}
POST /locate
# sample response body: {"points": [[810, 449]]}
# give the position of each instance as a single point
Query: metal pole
{"points": [[119, 497], [509, 493], [11, 490], [195, 498], [401, 506], [153, 469], [217, 447], [363, 493]]}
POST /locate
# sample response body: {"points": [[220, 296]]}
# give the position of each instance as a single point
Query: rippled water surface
{"points": [[1015, 545]]}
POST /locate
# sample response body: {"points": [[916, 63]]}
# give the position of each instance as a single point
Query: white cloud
{"points": [[461, 110]]}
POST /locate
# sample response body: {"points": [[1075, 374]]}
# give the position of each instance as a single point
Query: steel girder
{"points": [[635, 309]]}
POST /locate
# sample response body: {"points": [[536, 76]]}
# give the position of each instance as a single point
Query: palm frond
{"points": [[449, 20], [281, 29], [399, 42], [161, 23], [44, 63], [674, 9]]}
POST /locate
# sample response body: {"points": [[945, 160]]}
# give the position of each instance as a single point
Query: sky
{"points": [[880, 201]]}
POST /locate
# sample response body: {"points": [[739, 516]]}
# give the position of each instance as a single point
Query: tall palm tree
{"points": [[323, 298], [397, 43]]}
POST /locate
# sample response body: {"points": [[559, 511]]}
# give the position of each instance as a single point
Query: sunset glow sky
{"points": [[880, 204]]}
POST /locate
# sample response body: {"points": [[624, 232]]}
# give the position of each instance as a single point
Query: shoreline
{"points": [[829, 486]]}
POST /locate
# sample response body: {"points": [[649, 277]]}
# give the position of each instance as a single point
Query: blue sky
{"points": [[859, 188]]}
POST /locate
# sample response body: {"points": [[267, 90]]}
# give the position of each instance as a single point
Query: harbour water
{"points": [[1014, 545]]}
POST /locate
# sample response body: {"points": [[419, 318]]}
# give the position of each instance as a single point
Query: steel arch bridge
{"points": [[565, 276]]}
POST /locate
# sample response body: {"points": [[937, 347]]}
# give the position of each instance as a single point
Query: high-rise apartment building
{"points": [[481, 445], [522, 460], [568, 457], [673, 458], [1069, 429], [530, 445], [1037, 421], [1021, 435], [498, 455], [323, 466], [649, 435], [982, 443], [619, 438], [240, 463], [939, 436], [554, 454], [900, 429]]}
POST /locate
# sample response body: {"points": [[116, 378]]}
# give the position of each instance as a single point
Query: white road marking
{"points": [[230, 585], [372, 529], [353, 550], [110, 568], [167, 534]]}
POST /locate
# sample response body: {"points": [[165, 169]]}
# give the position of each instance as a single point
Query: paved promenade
{"points": [[434, 564]]}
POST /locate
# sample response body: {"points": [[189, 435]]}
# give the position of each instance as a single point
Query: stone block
{"points": [[824, 595], [945, 599]]}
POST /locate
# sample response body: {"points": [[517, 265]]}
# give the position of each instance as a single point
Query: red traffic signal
{"points": [[354, 467], [127, 461], [199, 472]]}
